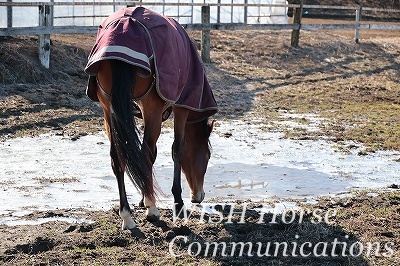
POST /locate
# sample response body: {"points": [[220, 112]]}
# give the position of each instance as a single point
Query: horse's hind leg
{"points": [[180, 118], [124, 209], [152, 107], [118, 169]]}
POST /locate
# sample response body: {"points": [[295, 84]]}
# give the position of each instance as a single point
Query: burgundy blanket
{"points": [[137, 36]]}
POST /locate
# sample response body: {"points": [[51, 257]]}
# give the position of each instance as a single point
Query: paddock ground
{"points": [[258, 78]]}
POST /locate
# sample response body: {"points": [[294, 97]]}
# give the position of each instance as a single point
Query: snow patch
{"points": [[52, 172]]}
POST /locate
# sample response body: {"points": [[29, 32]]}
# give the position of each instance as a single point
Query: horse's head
{"points": [[197, 154]]}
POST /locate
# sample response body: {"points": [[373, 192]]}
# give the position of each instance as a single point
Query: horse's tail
{"points": [[124, 132]]}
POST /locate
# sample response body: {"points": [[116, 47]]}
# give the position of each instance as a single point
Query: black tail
{"points": [[124, 131]]}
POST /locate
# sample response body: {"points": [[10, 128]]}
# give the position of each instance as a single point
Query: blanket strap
{"points": [[137, 111], [103, 91]]}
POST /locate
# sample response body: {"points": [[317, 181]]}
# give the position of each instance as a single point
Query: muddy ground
{"points": [[349, 227], [255, 75]]}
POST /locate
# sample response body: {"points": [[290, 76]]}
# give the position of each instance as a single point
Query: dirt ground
{"points": [[366, 223], [255, 75]]}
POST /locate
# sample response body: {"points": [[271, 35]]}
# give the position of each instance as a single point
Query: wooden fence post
{"points": [[245, 12], [205, 35], [44, 39], [358, 19], [9, 15], [219, 12], [297, 15]]}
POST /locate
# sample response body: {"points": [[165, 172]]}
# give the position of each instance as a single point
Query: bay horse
{"points": [[143, 65]]}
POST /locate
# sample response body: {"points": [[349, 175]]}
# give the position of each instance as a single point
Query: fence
{"points": [[185, 11], [46, 17]]}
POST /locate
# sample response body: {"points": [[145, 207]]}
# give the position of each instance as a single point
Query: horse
{"points": [[134, 72]]}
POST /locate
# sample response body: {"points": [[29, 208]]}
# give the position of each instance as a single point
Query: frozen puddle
{"points": [[52, 172]]}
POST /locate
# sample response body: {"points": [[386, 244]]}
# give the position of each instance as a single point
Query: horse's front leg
{"points": [[180, 117], [124, 209]]}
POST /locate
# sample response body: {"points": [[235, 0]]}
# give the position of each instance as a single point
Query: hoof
{"points": [[152, 218], [180, 210], [152, 214], [127, 221], [128, 226]]}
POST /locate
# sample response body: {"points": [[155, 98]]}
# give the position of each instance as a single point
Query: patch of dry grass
{"points": [[354, 87]]}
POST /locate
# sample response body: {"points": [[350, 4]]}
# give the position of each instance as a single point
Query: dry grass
{"points": [[354, 87], [255, 75]]}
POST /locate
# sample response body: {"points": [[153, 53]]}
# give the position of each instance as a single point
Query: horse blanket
{"points": [[138, 36]]}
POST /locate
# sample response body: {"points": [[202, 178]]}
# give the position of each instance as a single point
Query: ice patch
{"points": [[51, 172]]}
